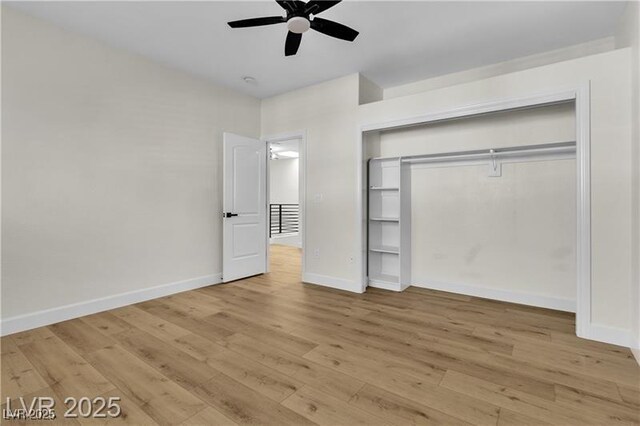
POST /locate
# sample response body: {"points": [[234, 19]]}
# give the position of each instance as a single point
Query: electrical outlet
{"points": [[351, 259], [317, 198], [316, 253]]}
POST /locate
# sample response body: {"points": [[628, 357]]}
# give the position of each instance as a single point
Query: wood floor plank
{"points": [[181, 318], [605, 410], [130, 413], [197, 346], [323, 409], [19, 377], [411, 352], [511, 418], [557, 375], [452, 403], [192, 305], [244, 405], [294, 344], [66, 372], [192, 360], [179, 366], [400, 410], [209, 416], [310, 373], [572, 341], [81, 336], [152, 324], [446, 332], [162, 399], [270, 350], [46, 392], [514, 400], [107, 323], [29, 336], [267, 381], [599, 365], [630, 394]]}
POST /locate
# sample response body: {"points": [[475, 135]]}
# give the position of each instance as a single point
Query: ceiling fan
{"points": [[299, 20]]}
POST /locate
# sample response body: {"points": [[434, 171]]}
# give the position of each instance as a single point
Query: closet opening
{"points": [[491, 204]]}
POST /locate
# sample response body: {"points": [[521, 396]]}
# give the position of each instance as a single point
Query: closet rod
{"points": [[496, 153]]}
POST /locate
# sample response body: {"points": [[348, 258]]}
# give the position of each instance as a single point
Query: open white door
{"points": [[244, 229]]}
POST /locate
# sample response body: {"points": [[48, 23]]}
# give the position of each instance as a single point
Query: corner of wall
{"points": [[628, 35], [368, 91]]}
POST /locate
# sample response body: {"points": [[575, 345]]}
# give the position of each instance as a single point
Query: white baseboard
{"points": [[62, 313], [333, 282], [530, 299], [606, 334]]}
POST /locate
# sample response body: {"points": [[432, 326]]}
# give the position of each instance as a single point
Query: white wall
{"points": [[629, 35], [283, 181], [283, 189], [540, 59], [111, 169], [513, 234], [327, 112]]}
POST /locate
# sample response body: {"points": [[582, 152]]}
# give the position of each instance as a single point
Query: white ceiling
{"points": [[399, 42]]}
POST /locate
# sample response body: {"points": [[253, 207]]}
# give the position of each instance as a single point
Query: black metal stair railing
{"points": [[283, 219]]}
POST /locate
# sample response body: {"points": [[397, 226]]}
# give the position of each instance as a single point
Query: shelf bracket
{"points": [[495, 166]]}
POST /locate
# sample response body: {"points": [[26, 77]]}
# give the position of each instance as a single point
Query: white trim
{"points": [[509, 104], [333, 282], [583, 209], [302, 187], [580, 95], [62, 313], [384, 285], [531, 299], [636, 354], [606, 334]]}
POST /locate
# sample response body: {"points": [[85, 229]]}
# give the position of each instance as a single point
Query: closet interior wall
{"points": [[513, 234]]}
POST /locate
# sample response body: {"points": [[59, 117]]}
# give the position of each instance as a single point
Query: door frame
{"points": [[580, 96], [301, 135]]}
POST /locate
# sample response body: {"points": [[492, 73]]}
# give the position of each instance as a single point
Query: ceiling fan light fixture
{"points": [[298, 24], [299, 21]]}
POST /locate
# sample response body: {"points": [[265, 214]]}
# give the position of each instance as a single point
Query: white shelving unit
{"points": [[389, 202], [389, 224]]}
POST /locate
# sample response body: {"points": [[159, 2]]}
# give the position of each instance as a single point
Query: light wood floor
{"points": [[270, 350]]}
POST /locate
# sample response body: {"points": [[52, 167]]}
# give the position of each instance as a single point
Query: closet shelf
{"points": [[385, 249], [384, 219], [384, 188], [384, 279]]}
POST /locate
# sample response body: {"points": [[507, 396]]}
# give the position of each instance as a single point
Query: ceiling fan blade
{"points": [[256, 22], [318, 6], [292, 43], [290, 5], [334, 29]]}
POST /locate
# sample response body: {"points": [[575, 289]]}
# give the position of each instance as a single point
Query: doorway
{"points": [[285, 204]]}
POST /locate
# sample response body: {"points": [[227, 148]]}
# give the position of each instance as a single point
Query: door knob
{"points": [[229, 214]]}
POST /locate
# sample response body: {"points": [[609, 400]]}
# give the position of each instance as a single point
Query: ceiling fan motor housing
{"points": [[298, 24]]}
